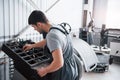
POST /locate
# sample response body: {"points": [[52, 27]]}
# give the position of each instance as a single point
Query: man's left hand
{"points": [[41, 71]]}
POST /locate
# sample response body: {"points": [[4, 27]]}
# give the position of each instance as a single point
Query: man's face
{"points": [[38, 27]]}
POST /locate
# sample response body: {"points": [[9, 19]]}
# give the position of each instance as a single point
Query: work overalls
{"points": [[69, 71]]}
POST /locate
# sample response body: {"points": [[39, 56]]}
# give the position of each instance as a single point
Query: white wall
{"points": [[113, 14], [100, 11], [69, 11], [107, 12]]}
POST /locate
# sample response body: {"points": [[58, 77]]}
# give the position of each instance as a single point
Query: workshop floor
{"points": [[112, 74]]}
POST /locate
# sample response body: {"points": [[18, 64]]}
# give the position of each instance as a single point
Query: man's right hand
{"points": [[27, 47]]}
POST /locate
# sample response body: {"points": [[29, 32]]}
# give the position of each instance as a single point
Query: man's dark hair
{"points": [[37, 16]]}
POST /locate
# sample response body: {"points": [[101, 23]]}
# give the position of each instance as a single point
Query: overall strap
{"points": [[64, 32], [64, 26]]}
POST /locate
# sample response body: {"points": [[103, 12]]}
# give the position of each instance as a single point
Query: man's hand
{"points": [[27, 47], [41, 71]]}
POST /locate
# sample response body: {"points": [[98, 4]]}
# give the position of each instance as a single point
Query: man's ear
{"points": [[39, 23]]}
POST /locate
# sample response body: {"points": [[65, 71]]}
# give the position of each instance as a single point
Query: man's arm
{"points": [[38, 44], [56, 64]]}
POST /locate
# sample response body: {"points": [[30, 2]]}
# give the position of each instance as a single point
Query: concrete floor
{"points": [[112, 74]]}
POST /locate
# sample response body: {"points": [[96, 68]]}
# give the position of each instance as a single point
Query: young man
{"points": [[63, 66]]}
